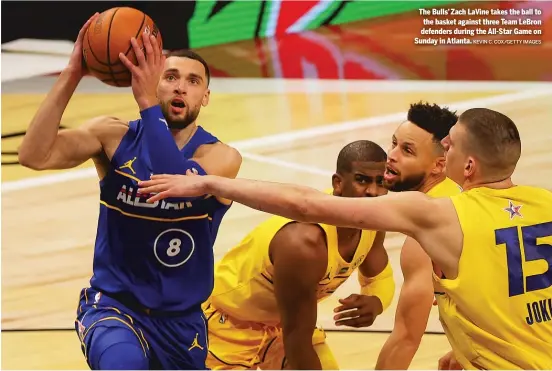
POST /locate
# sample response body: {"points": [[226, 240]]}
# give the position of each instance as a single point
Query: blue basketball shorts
{"points": [[115, 336]]}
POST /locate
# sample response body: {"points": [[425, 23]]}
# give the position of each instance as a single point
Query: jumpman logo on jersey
{"points": [[327, 276], [128, 165], [195, 343], [513, 210]]}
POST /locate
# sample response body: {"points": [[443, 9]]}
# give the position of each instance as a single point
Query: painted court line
{"points": [[291, 136], [287, 164]]}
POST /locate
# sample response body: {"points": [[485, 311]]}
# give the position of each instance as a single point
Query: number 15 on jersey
{"points": [[536, 241]]}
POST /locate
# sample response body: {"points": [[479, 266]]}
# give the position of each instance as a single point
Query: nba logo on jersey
{"points": [[81, 328]]}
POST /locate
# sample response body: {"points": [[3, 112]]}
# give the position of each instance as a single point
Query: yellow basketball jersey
{"points": [[444, 189], [497, 313], [244, 276]]}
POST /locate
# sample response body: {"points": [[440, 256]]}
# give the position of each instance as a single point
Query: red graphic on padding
{"points": [[290, 12], [299, 54]]}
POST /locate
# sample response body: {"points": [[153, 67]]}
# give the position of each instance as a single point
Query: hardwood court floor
{"points": [[286, 134], [59, 350]]}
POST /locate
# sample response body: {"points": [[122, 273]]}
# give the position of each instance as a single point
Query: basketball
{"points": [[110, 35]]}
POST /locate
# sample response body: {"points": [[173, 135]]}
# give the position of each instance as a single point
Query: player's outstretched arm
{"points": [[377, 288], [405, 212], [299, 255], [413, 309], [432, 222]]}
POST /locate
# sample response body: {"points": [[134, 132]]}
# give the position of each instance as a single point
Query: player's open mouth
{"points": [[177, 106], [390, 174]]}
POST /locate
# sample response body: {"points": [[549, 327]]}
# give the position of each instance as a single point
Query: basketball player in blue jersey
{"points": [[153, 263]]}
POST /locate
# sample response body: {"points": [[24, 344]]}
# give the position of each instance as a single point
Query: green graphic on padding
{"points": [[217, 22], [236, 21], [359, 10]]}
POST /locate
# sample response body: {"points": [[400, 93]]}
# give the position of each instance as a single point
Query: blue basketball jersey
{"points": [[160, 253]]}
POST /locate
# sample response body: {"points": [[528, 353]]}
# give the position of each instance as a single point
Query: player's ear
{"points": [[469, 167], [337, 184], [205, 100], [439, 165]]}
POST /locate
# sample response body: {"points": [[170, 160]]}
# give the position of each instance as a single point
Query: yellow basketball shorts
{"points": [[235, 344]]}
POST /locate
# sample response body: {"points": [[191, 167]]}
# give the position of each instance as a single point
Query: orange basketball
{"points": [[110, 35]]}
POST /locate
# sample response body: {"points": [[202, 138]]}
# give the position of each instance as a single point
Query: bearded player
{"points": [[153, 263], [416, 162]]}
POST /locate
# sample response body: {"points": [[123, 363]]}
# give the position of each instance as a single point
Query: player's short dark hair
{"points": [[190, 54], [493, 139], [359, 151], [434, 119]]}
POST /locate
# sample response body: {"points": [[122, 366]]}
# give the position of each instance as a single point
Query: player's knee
{"points": [[123, 356], [116, 348]]}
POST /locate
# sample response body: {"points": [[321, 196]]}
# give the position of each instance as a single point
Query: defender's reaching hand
{"points": [[166, 185]]}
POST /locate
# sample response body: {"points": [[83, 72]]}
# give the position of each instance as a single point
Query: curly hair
{"points": [[433, 119]]}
